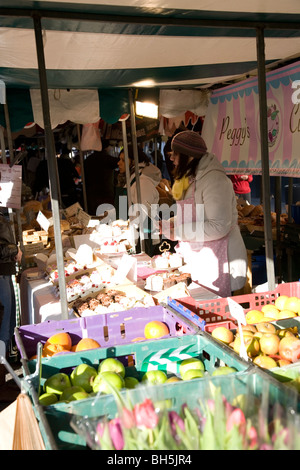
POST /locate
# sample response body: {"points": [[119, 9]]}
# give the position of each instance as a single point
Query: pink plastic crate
{"points": [[216, 312]]}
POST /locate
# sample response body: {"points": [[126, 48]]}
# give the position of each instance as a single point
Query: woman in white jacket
{"points": [[206, 226]]}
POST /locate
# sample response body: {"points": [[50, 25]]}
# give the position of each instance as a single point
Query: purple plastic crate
{"points": [[108, 329]]}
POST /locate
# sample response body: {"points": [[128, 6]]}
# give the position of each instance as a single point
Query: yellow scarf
{"points": [[179, 187]]}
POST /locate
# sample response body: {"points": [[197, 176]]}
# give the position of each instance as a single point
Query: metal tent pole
{"points": [[52, 165], [260, 46], [82, 169], [136, 164]]}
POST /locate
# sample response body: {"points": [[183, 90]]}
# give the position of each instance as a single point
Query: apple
{"points": [[249, 328], [112, 364], [285, 332], [191, 363], [265, 362], [57, 383], [251, 345], [266, 327], [174, 378], [191, 374], [283, 362], [83, 376], [104, 379], [269, 343], [131, 382], [154, 377], [47, 399], [222, 334], [223, 370], [289, 348], [73, 393]]}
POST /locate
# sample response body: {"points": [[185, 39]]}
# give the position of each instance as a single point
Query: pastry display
{"points": [[111, 300], [167, 260], [161, 281]]}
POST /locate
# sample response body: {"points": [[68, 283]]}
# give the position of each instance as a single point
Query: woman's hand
{"points": [[19, 255]]}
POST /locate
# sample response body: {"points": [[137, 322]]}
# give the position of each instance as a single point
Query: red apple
{"points": [[289, 348]]}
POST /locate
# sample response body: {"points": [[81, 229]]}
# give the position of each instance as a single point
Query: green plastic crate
{"points": [[146, 355]]}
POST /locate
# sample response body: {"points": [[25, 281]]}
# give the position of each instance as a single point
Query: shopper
{"points": [[10, 254], [149, 177], [241, 186], [205, 226], [99, 173]]}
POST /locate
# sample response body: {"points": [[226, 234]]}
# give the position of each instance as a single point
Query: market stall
{"points": [[168, 44]]}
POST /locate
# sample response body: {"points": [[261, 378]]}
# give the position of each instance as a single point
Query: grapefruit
{"points": [[156, 329], [223, 334], [51, 349], [87, 343], [63, 339], [280, 301], [293, 304], [254, 316]]}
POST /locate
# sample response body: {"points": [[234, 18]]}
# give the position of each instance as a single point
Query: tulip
{"points": [[252, 435], [116, 434], [236, 418], [145, 414], [174, 420], [128, 419]]}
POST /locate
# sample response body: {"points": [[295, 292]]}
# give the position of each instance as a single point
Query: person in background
{"points": [[205, 225], [99, 173], [241, 186], [10, 254], [149, 177]]}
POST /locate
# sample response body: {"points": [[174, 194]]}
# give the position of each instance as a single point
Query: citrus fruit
{"points": [[156, 329], [280, 301], [63, 339], [254, 316], [87, 343], [286, 314], [51, 349], [223, 334], [293, 304], [270, 311]]}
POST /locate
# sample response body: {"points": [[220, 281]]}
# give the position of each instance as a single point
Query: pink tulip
{"points": [[252, 435], [116, 434], [175, 419], [266, 447], [145, 414], [128, 419], [237, 418]]}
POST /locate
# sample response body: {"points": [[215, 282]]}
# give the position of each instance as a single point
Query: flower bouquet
{"points": [[211, 422]]}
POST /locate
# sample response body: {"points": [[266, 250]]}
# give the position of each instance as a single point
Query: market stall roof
{"points": [[134, 43]]}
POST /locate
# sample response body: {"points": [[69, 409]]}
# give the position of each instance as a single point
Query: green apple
{"points": [[112, 364], [73, 393], [224, 370], [251, 344], [104, 379], [83, 376], [47, 399], [57, 383], [155, 377], [131, 382], [193, 374], [191, 363]]}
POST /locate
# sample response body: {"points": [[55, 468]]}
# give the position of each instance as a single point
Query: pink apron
{"points": [[210, 258]]}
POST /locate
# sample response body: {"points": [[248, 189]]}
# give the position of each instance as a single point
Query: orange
{"points": [[63, 339], [254, 316], [280, 301], [139, 338], [51, 349], [156, 329], [87, 343], [293, 304]]}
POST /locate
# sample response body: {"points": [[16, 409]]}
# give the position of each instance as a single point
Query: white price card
{"points": [[43, 221], [238, 313], [10, 186]]}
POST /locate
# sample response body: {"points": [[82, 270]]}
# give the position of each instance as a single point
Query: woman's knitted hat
{"points": [[189, 143]]}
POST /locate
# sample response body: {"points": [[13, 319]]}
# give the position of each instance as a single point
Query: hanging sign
{"points": [[10, 186], [231, 127]]}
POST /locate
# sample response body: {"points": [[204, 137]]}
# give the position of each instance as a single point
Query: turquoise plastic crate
{"points": [[143, 356]]}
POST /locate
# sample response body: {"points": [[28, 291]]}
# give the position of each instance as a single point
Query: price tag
{"points": [[43, 221], [238, 313], [127, 267]]}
